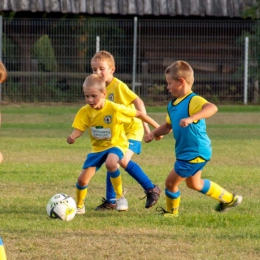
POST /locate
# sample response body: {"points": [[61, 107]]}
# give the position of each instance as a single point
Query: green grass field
{"points": [[38, 163]]}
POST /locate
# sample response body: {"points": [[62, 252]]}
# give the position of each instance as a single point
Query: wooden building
{"points": [[202, 8]]}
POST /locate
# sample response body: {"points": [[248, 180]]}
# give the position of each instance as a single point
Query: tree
{"points": [[253, 11]]}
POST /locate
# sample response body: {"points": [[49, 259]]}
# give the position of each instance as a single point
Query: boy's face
{"points": [[94, 97], [175, 87], [102, 68]]}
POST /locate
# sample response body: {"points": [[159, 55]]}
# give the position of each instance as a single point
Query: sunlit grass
{"points": [[38, 163]]}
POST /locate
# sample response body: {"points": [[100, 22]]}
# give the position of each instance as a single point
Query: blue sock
{"points": [[172, 195], [138, 174], [81, 187], [110, 193], [206, 186]]}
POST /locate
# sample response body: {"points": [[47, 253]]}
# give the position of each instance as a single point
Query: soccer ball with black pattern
{"points": [[61, 206]]}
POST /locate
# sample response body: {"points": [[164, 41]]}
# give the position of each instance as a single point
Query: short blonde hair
{"points": [[181, 69], [95, 81], [105, 56]]}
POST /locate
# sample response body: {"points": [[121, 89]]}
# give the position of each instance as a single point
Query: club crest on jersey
{"points": [[111, 97], [108, 119]]}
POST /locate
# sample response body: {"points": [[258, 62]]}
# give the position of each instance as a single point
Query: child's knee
{"points": [[81, 181], [170, 186], [111, 166]]}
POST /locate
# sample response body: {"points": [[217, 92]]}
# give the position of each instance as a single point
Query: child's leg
{"points": [[116, 181], [110, 193], [115, 177], [134, 170], [152, 191], [208, 188], [172, 201], [81, 193], [172, 193], [227, 199], [108, 203], [216, 192], [114, 173], [82, 186]]}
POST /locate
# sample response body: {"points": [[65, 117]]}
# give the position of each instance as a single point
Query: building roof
{"points": [[217, 8]]}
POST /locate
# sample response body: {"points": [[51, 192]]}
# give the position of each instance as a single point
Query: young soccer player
{"points": [[103, 64], [105, 123], [3, 78], [186, 117], [3, 73]]}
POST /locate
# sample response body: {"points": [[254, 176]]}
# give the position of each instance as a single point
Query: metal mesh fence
{"points": [[48, 59]]}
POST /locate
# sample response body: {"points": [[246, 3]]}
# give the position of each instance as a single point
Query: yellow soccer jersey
{"points": [[105, 126], [118, 92]]}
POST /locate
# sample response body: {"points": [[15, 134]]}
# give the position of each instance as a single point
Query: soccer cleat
{"points": [[106, 205], [223, 207], [81, 211], [121, 204], [166, 213], [152, 196]]}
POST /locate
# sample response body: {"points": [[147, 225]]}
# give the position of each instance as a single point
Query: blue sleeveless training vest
{"points": [[191, 141]]}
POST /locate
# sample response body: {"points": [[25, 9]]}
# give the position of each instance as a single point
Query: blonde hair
{"points": [[95, 81], [181, 69], [104, 56]]}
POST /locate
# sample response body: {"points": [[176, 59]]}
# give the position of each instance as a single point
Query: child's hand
{"points": [[158, 138], [149, 137], [186, 121], [70, 140]]}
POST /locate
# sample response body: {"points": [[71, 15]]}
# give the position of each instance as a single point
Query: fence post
{"points": [[246, 71], [134, 54], [97, 44]]}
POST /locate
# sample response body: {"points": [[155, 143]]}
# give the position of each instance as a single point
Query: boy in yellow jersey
{"points": [[103, 64], [2, 250], [186, 117], [3, 73], [105, 123]]}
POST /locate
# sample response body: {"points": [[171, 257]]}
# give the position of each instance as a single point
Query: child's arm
{"points": [[75, 134], [160, 131], [207, 110], [147, 119], [139, 105]]}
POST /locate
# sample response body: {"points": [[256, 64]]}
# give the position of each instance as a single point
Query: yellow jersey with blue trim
{"points": [[119, 92], [105, 126]]}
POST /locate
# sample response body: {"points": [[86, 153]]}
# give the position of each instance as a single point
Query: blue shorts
{"points": [[187, 169], [97, 159], [135, 146]]}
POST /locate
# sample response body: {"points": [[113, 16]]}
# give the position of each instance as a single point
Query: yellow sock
{"points": [[2, 250], [117, 185], [81, 195], [173, 204], [219, 193]]}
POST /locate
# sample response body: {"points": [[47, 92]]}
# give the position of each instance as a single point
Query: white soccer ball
{"points": [[61, 206]]}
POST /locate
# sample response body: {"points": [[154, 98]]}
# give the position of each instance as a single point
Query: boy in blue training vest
{"points": [[186, 119]]}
